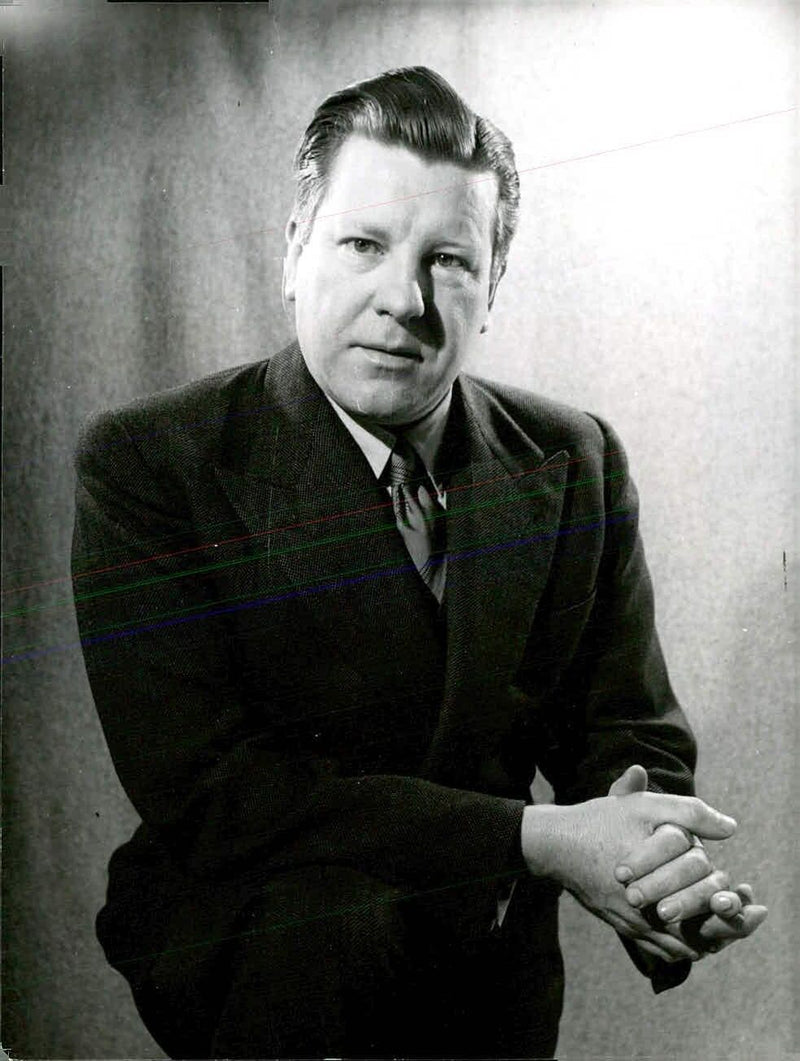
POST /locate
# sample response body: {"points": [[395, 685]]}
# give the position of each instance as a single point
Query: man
{"points": [[337, 608]]}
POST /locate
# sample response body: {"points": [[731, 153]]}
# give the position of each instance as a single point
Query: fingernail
{"points": [[724, 903], [623, 874], [635, 897], [731, 821], [669, 911]]}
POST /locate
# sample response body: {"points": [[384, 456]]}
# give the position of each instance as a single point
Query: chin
{"points": [[388, 409]]}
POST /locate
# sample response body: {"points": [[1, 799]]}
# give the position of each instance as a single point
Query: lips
{"points": [[400, 350]]}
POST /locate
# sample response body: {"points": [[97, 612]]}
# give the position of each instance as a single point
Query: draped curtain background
{"points": [[147, 182]]}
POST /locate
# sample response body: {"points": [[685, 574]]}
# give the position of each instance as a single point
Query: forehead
{"points": [[387, 184]]}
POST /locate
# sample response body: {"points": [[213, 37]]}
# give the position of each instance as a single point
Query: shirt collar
{"points": [[376, 442]]}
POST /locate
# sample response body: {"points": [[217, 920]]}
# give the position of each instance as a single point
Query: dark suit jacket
{"points": [[274, 685]]}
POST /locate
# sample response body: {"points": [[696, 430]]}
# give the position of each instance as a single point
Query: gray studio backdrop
{"points": [[147, 155]]}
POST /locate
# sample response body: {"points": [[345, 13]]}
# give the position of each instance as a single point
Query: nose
{"points": [[399, 292]]}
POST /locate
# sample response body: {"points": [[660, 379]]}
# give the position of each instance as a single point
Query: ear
{"points": [[492, 292], [495, 283], [294, 248]]}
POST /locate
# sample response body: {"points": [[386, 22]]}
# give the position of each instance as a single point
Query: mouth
{"points": [[380, 354]]}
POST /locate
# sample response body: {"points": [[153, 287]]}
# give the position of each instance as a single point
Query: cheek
{"points": [[463, 314], [319, 304], [465, 298], [335, 297]]}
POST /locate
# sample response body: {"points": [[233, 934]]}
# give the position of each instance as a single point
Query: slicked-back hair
{"points": [[414, 108]]}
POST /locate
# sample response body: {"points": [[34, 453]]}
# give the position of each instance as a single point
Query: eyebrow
{"points": [[369, 229], [465, 240]]}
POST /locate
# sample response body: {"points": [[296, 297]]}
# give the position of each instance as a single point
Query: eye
{"points": [[361, 246], [449, 261]]}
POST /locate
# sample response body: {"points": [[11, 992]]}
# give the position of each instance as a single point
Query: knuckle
{"points": [[721, 880], [691, 867], [698, 860], [676, 835]]}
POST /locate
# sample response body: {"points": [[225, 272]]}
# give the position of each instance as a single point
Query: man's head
{"points": [[406, 204], [413, 108]]}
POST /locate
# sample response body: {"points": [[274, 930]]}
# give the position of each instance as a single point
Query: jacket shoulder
{"points": [[550, 424], [175, 426]]}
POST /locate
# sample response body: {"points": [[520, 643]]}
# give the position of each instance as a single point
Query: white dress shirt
{"points": [[376, 442]]}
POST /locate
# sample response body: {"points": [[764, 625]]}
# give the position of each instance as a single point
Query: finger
{"points": [[729, 904], [663, 946], [674, 876], [677, 949], [715, 933], [658, 952], [633, 780], [665, 843], [745, 893], [672, 946], [726, 904], [693, 814], [694, 900]]}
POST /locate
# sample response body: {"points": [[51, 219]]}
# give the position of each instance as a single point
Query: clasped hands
{"points": [[635, 859]]}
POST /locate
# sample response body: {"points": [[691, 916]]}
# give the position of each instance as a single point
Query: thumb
{"points": [[693, 814], [633, 780]]}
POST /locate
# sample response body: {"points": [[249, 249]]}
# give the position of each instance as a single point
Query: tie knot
{"points": [[405, 464]]}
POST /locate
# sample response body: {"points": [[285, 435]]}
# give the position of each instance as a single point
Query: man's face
{"points": [[392, 287]]}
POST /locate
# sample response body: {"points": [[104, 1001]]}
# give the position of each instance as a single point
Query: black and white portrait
{"points": [[399, 486]]}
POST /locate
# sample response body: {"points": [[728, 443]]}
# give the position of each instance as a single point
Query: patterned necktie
{"points": [[419, 515]]}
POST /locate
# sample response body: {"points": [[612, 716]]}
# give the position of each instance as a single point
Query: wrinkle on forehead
{"points": [[377, 184]]}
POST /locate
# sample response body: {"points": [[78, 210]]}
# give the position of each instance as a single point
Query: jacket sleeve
{"points": [[156, 646], [614, 705]]}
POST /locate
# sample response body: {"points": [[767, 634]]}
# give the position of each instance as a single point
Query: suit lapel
{"points": [[322, 530], [504, 503]]}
